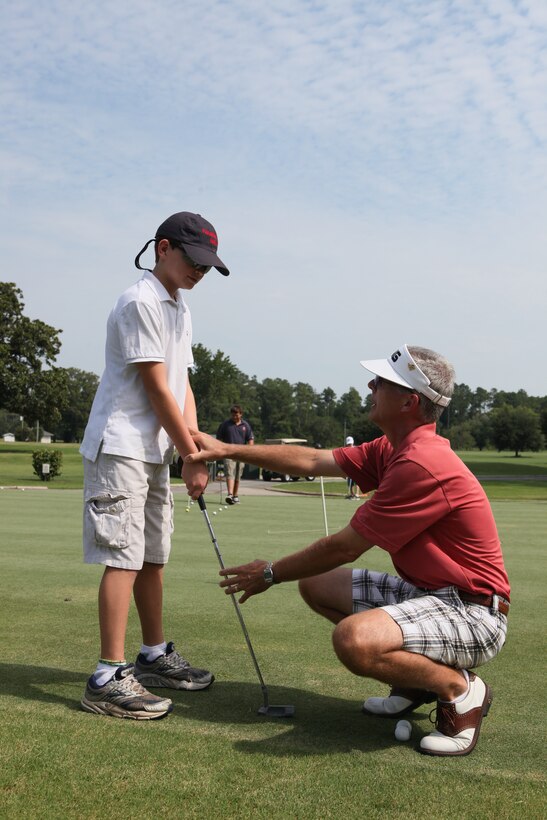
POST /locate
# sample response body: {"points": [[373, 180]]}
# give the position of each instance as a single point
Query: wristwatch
{"points": [[268, 573]]}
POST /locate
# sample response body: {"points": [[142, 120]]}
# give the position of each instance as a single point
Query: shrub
{"points": [[52, 457]]}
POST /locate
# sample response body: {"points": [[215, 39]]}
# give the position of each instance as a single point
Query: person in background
{"points": [[353, 491], [234, 430]]}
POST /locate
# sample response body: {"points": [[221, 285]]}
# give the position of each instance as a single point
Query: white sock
{"points": [[461, 697], [105, 671], [153, 652]]}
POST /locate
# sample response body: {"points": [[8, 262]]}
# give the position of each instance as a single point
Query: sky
{"points": [[376, 172]]}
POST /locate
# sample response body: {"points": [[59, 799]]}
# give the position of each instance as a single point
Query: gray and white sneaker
{"points": [[124, 697], [171, 670]]}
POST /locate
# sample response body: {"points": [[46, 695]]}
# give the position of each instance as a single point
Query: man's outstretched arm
{"points": [[282, 458], [323, 555]]}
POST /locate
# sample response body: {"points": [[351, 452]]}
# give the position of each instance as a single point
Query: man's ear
{"points": [[411, 403]]}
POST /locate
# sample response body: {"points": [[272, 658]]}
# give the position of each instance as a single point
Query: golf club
{"points": [[266, 708]]}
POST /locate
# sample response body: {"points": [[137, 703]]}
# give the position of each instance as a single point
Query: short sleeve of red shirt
{"points": [[365, 464], [409, 501]]}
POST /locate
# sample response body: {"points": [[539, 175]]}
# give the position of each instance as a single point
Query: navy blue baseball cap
{"points": [[195, 235]]}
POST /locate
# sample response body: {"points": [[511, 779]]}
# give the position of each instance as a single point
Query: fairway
{"points": [[214, 757]]}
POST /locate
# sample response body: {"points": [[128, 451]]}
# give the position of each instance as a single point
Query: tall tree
{"points": [[349, 411], [305, 400], [518, 398], [217, 384], [81, 387], [459, 407], [29, 384], [326, 402], [480, 401], [277, 409], [516, 428]]}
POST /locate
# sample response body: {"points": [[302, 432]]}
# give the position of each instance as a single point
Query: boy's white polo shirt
{"points": [[146, 325]]}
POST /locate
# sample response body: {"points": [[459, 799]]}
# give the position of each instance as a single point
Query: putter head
{"points": [[277, 711]]}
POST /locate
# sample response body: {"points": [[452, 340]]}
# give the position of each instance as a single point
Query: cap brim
{"points": [[383, 368], [205, 257]]}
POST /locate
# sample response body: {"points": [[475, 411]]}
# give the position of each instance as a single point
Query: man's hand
{"points": [[196, 478], [248, 578], [210, 448]]}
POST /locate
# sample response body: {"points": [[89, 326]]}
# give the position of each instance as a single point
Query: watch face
{"points": [[268, 574]]}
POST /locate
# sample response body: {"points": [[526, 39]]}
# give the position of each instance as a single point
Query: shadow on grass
{"points": [[322, 724]]}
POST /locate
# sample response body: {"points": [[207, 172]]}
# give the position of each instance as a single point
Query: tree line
{"points": [[34, 391]]}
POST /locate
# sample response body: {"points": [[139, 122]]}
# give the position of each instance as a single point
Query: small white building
{"points": [[46, 438], [8, 437]]}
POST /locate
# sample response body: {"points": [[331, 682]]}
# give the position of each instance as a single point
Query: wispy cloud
{"points": [[321, 129], [395, 86]]}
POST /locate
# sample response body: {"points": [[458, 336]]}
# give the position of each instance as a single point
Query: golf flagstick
{"points": [[324, 505], [265, 709], [320, 447]]}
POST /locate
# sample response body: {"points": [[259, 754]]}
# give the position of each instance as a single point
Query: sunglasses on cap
{"points": [[194, 265]]}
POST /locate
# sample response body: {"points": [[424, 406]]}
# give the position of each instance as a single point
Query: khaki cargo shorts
{"points": [[128, 512], [233, 469]]}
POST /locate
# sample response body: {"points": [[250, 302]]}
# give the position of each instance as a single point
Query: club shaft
{"points": [[201, 502]]}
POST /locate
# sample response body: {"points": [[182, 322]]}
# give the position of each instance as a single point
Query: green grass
{"points": [[214, 757], [16, 470], [16, 466], [490, 462]]}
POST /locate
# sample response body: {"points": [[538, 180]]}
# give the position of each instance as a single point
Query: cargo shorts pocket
{"points": [[108, 519]]}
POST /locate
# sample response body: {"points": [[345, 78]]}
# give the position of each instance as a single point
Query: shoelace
{"points": [[447, 714], [175, 660], [131, 685]]}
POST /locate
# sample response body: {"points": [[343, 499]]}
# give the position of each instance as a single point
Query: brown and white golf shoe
{"points": [[458, 724]]}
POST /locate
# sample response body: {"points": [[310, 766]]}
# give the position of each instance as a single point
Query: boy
{"points": [[143, 407]]}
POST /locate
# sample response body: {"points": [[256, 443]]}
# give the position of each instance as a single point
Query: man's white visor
{"points": [[401, 369]]}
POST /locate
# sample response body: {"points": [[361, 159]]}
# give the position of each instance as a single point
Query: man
{"points": [[144, 405], [234, 430], [352, 494], [423, 631]]}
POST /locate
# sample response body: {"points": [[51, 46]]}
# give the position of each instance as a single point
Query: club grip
{"points": [[201, 502]]}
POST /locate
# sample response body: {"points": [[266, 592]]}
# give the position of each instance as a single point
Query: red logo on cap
{"points": [[212, 236]]}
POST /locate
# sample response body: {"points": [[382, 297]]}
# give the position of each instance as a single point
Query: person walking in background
{"points": [[353, 492], [144, 406], [234, 430]]}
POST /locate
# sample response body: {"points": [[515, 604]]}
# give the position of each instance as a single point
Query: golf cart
{"points": [[268, 475]]}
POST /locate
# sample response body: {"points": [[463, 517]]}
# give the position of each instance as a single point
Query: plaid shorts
{"points": [[436, 624]]}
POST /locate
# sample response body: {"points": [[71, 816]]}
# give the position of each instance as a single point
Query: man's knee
{"points": [[307, 590], [362, 640], [328, 591], [350, 639]]}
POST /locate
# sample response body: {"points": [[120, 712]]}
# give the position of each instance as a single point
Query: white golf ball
{"points": [[214, 513], [403, 730]]}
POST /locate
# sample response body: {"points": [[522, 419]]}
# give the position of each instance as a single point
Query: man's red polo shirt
{"points": [[429, 512]]}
